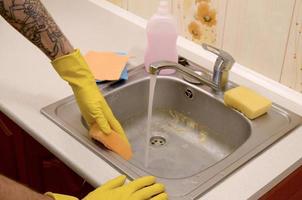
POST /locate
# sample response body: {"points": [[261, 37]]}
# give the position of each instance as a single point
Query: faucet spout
{"points": [[156, 67]]}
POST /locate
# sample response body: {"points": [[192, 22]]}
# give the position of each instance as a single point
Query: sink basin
{"points": [[196, 140], [191, 124]]}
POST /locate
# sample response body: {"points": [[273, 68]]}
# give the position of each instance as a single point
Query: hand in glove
{"points": [[116, 189], [94, 108]]}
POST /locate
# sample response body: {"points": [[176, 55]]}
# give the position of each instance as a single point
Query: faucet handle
{"points": [[224, 60]]}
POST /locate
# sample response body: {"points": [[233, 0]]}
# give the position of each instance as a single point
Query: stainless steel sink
{"points": [[196, 140]]}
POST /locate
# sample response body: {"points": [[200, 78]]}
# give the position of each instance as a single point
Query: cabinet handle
{"points": [[4, 128]]}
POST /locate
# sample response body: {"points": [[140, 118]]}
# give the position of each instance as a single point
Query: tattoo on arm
{"points": [[32, 20]]}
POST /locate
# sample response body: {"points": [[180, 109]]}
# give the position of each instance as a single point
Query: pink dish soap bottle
{"points": [[161, 37]]}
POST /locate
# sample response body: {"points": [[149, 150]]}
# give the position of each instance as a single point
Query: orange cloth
{"points": [[112, 141], [106, 65]]}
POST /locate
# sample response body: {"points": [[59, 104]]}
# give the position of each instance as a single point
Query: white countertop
{"points": [[28, 83]]}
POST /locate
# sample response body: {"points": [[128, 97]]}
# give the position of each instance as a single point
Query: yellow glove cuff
{"points": [[74, 69], [60, 196]]}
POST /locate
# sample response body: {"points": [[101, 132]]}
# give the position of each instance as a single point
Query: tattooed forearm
{"points": [[32, 20]]}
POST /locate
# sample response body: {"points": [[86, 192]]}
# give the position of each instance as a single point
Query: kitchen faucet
{"points": [[222, 66]]}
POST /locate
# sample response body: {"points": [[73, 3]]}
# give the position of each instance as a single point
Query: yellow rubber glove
{"points": [[94, 108], [139, 189], [116, 189], [60, 196]]}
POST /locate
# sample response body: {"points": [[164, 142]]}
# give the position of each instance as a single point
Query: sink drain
{"points": [[157, 141], [189, 93]]}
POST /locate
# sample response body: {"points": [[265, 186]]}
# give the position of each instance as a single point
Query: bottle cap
{"points": [[163, 8]]}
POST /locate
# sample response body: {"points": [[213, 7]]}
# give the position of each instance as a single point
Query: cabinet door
{"points": [[12, 159], [288, 189], [23, 159], [7, 152], [47, 173], [58, 178]]}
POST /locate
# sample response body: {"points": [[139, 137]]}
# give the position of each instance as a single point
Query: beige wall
{"points": [[264, 35]]}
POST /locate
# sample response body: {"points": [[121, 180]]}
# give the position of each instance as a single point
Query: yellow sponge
{"points": [[247, 101]]}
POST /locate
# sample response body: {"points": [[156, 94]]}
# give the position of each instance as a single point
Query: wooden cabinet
{"points": [[8, 160], [288, 189], [25, 160]]}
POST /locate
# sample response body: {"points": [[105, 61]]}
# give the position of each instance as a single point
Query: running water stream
{"points": [[149, 120]]}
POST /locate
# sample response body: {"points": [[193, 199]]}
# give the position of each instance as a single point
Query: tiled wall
{"points": [[264, 35]]}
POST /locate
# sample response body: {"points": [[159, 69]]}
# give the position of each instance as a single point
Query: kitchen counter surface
{"points": [[28, 83]]}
